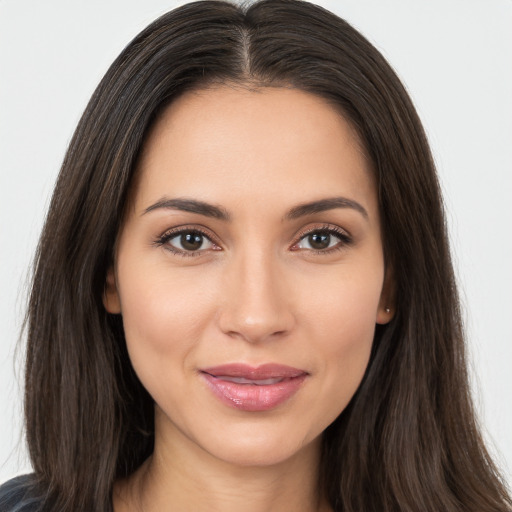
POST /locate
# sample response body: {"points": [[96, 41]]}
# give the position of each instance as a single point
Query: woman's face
{"points": [[249, 272]]}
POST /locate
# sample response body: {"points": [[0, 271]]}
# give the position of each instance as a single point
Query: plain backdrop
{"points": [[455, 58]]}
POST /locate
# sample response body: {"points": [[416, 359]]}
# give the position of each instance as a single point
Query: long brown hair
{"points": [[408, 441]]}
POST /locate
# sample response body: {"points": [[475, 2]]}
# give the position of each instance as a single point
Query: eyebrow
{"points": [[217, 212], [323, 205], [190, 205]]}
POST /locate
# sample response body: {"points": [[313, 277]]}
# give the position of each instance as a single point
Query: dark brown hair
{"points": [[408, 441]]}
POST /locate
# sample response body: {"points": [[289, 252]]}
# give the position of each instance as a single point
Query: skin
{"points": [[256, 291]]}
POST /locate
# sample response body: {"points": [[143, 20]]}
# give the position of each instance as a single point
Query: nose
{"points": [[256, 304]]}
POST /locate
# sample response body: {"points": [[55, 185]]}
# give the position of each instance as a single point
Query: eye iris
{"points": [[319, 240], [191, 241]]}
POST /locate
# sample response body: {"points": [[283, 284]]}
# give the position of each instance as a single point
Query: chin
{"points": [[254, 453], [254, 445]]}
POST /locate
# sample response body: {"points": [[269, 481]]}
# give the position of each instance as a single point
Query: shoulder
{"points": [[18, 495]]}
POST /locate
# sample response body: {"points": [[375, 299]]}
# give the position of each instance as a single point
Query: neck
{"points": [[181, 476]]}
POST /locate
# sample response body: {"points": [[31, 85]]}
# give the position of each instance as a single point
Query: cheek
{"points": [[343, 304], [163, 315], [345, 336], [341, 322]]}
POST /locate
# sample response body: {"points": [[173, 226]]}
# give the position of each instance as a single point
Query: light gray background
{"points": [[455, 57]]}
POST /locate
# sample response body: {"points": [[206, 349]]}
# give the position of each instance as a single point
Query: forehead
{"points": [[269, 142]]}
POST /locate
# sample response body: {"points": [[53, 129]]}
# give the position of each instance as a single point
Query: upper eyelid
{"points": [[324, 227], [175, 231]]}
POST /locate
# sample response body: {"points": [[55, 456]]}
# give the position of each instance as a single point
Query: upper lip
{"points": [[264, 371]]}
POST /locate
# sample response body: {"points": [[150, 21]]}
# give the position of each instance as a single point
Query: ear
{"points": [[387, 302], [111, 299]]}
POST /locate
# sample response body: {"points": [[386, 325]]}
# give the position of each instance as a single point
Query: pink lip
{"points": [[256, 395]]}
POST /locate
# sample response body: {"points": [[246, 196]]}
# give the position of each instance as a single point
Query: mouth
{"points": [[254, 389]]}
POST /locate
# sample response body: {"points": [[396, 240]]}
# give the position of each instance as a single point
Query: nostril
{"points": [[255, 330], [254, 305]]}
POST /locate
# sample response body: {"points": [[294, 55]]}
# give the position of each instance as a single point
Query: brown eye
{"points": [[190, 241], [323, 240], [319, 240]]}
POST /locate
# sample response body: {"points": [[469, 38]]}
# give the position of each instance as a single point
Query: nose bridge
{"points": [[255, 307]]}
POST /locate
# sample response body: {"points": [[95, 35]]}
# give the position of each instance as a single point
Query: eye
{"points": [[190, 241], [322, 240], [186, 242]]}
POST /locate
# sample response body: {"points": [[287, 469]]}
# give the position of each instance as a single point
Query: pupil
{"points": [[319, 240], [191, 241]]}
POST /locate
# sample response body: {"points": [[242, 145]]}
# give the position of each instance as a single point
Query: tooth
{"points": [[266, 382], [243, 380]]}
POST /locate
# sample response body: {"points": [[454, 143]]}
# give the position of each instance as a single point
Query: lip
{"points": [[252, 389]]}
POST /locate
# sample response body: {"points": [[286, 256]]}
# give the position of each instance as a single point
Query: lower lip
{"points": [[251, 397]]}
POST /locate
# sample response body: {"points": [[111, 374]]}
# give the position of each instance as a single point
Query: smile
{"points": [[253, 389]]}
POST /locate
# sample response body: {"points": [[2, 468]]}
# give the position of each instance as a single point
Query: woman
{"points": [[243, 295]]}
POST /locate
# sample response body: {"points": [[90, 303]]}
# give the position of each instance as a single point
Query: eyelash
{"points": [[162, 240], [329, 229]]}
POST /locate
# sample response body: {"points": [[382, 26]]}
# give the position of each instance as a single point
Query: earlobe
{"points": [[110, 295], [387, 303], [385, 314]]}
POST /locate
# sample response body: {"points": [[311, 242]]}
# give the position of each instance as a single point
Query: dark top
{"points": [[17, 495]]}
